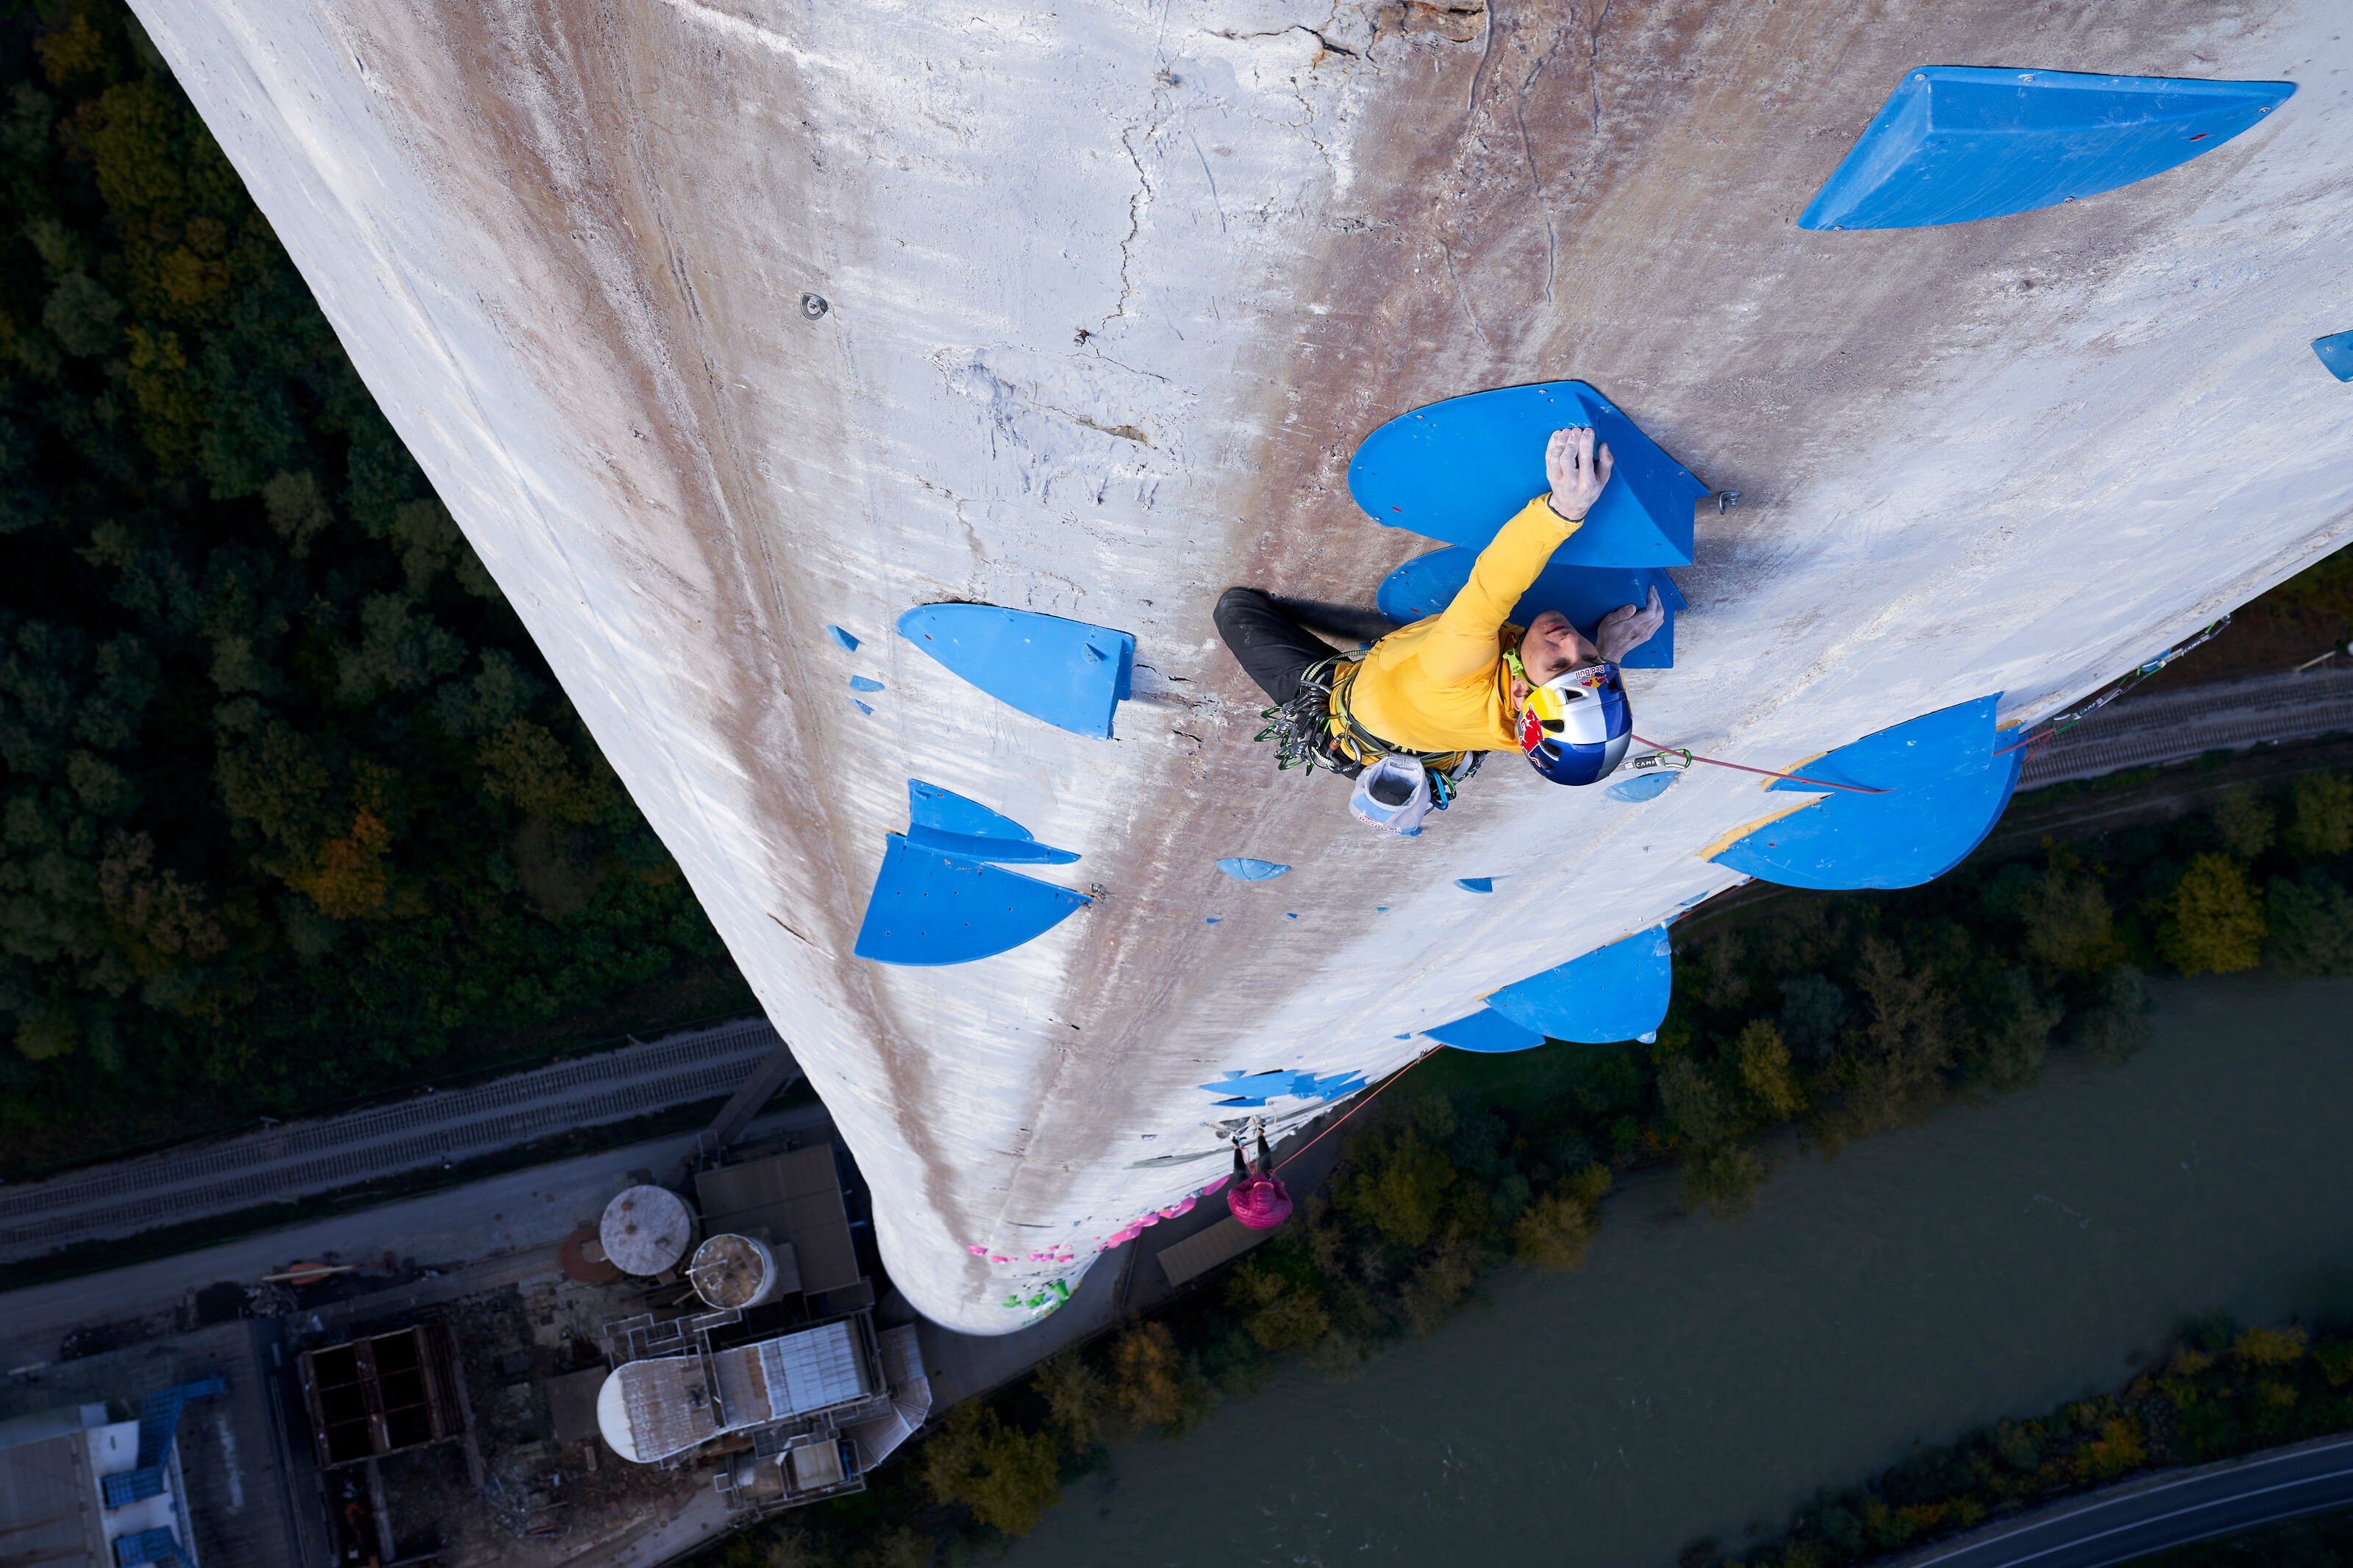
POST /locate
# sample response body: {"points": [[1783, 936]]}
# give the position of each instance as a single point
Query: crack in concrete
{"points": [[1592, 62], [1535, 175], [1461, 303]]}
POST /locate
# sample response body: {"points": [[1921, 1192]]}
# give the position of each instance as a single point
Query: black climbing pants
{"points": [[1264, 1164], [1272, 647]]}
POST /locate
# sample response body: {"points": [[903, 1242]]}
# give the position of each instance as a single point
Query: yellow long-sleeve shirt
{"points": [[1440, 685]]}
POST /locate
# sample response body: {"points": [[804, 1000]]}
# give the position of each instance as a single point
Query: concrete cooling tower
{"points": [[864, 406]]}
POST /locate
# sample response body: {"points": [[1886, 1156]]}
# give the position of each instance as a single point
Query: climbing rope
{"points": [[1794, 778], [2043, 733], [1361, 1104]]}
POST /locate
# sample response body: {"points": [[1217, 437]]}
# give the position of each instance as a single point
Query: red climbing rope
{"points": [[1360, 1105], [1793, 778]]}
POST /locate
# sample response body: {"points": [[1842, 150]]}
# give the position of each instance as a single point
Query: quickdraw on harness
{"points": [[1306, 729]]}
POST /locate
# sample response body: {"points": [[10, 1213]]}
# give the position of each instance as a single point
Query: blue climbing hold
{"points": [[931, 909], [864, 683], [937, 900], [1254, 1089], [1212, 919], [946, 822], [1426, 584], [1615, 992], [1945, 787], [1955, 143], [2336, 354], [861, 707], [1642, 787], [1069, 673], [1458, 470], [1475, 884], [1242, 870], [1487, 1032], [843, 637]]}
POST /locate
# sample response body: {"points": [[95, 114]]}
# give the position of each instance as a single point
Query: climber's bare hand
{"points": [[1576, 472]]}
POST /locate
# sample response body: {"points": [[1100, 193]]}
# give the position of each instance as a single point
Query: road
{"points": [[302, 1159], [2176, 722], [2140, 1517]]}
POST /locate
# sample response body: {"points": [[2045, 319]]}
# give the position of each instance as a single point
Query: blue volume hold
{"points": [[1242, 870], [864, 683], [1955, 143], [1458, 470], [1475, 884], [1642, 787], [931, 909], [1426, 584], [843, 637], [2336, 354], [1945, 785], [947, 822], [1487, 1032], [1069, 673], [1615, 992]]}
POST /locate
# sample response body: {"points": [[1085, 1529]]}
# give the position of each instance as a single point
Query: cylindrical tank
{"points": [[647, 1230], [735, 1272]]}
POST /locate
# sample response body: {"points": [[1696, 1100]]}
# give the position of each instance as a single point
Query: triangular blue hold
{"points": [[1487, 1032], [1615, 992], [1069, 673], [1458, 470], [2336, 354], [931, 909], [1475, 884], [937, 902], [1426, 584], [1945, 788], [1642, 787], [1247, 870], [842, 637], [1955, 143]]}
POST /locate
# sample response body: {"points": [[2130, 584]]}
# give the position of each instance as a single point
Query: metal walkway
{"points": [[305, 1158], [2170, 726]]}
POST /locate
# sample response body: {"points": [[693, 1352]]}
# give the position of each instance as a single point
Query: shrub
{"points": [[1004, 1474], [2320, 814], [2245, 825], [1553, 1232], [1400, 1185], [1279, 1312], [1765, 1072], [2311, 927], [2070, 926], [2216, 919], [2271, 1347]]}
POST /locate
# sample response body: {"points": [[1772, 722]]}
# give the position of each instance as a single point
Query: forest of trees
{"points": [[293, 808]]}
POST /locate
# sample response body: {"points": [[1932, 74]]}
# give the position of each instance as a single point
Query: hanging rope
{"points": [[1793, 778], [2042, 733], [1360, 1105]]}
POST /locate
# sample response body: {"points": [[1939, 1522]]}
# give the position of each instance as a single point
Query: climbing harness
{"points": [[1659, 753], [1307, 729], [2041, 735]]}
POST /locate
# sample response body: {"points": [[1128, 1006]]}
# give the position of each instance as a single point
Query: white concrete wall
{"points": [[1114, 291]]}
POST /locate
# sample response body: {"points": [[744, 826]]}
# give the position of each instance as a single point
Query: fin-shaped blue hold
{"points": [[1426, 584], [842, 637], [1242, 870], [946, 822], [1955, 143], [1487, 1032], [1069, 673], [931, 909], [1475, 884], [2336, 353], [1612, 993], [864, 683], [1458, 470], [1945, 788]]}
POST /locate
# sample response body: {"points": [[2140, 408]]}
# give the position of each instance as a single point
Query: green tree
{"points": [[2215, 919], [1697, 1105], [1078, 1400], [2245, 822], [2013, 1031], [2320, 807], [2070, 926], [1004, 1474], [2309, 922], [1282, 1310], [1764, 1073], [1723, 1179], [1398, 1186]]}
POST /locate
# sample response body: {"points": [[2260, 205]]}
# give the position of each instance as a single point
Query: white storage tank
{"points": [[647, 1230]]}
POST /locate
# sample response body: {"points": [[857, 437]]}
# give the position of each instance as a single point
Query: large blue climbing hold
{"points": [[1487, 1032], [1242, 870], [1426, 584], [1616, 992], [2336, 354], [1458, 470], [932, 908], [1945, 787], [1955, 143], [1069, 673], [936, 900]]}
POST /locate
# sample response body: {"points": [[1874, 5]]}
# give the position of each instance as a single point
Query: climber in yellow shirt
{"points": [[1465, 682]]}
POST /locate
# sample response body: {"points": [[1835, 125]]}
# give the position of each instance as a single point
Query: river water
{"points": [[1699, 1379]]}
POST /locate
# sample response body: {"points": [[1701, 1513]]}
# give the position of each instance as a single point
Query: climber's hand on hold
{"points": [[1571, 467], [1627, 628]]}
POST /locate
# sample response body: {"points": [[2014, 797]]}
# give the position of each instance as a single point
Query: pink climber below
{"points": [[1256, 1197]]}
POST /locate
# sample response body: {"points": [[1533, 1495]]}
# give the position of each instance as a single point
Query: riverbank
{"points": [[1695, 1379]]}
